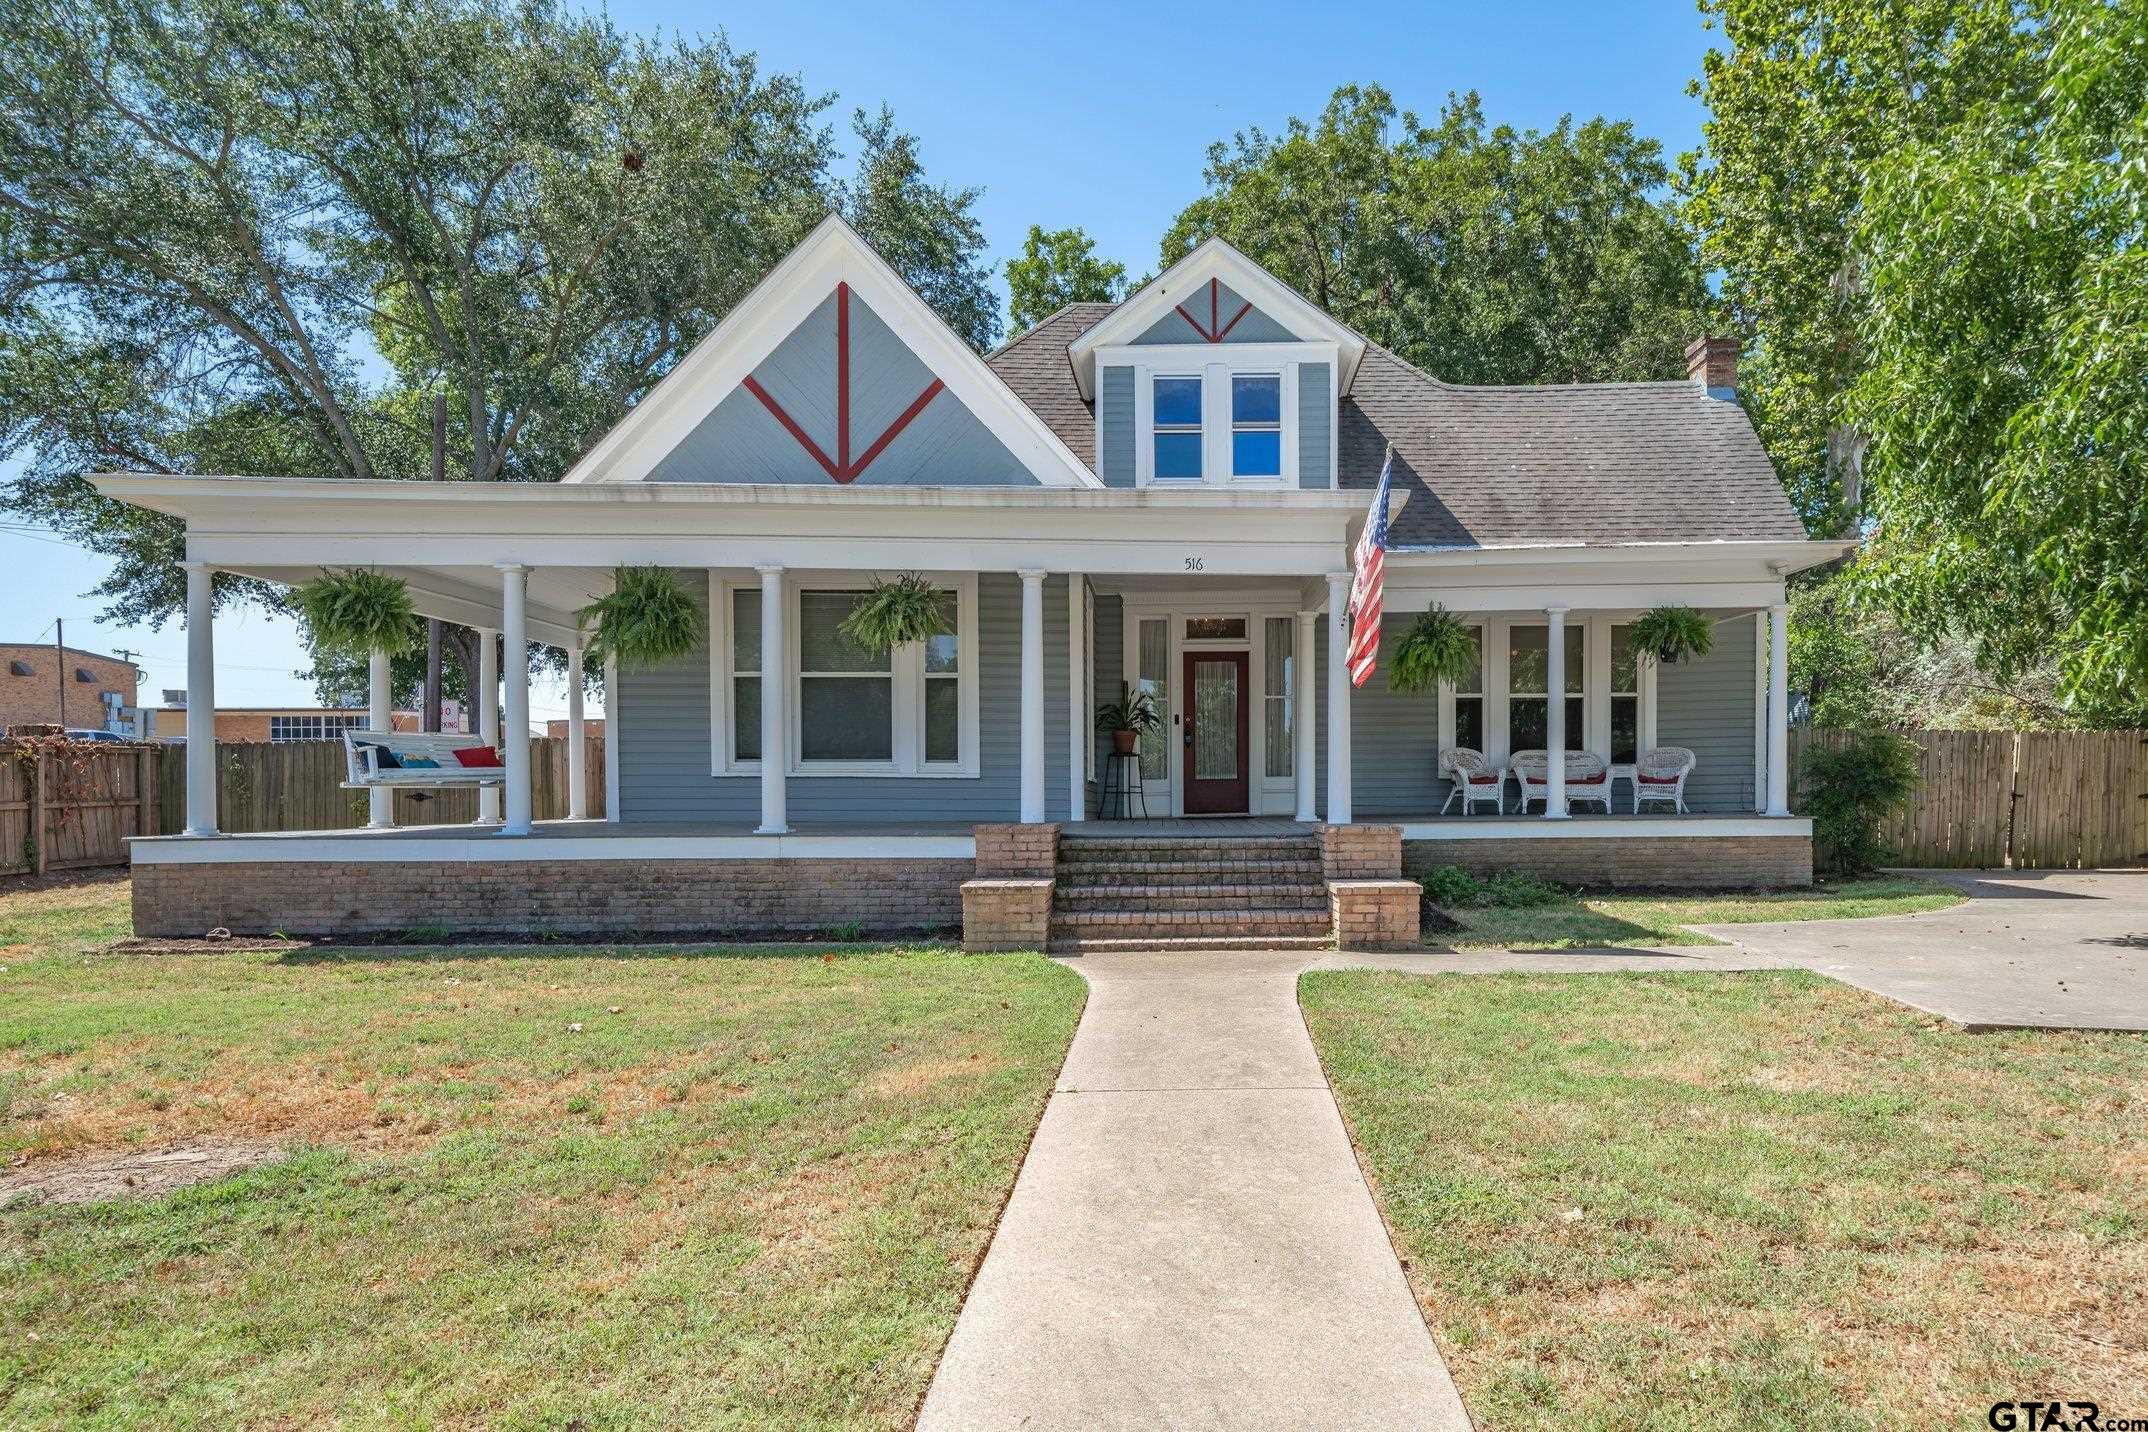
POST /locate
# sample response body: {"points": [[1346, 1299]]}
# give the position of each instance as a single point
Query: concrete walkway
{"points": [[1190, 1243]]}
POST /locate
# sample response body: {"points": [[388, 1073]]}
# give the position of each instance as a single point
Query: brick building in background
{"points": [[36, 680], [276, 723]]}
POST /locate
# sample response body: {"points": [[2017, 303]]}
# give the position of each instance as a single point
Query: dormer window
{"points": [[1256, 425], [1177, 428]]}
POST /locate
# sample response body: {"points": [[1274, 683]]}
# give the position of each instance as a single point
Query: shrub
{"points": [[897, 612], [1454, 888], [1519, 890], [1849, 790], [1673, 633]]}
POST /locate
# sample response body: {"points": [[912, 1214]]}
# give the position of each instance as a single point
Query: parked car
{"points": [[86, 734]]}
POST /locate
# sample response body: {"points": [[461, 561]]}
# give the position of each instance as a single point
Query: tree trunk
{"points": [[1846, 465], [431, 703]]}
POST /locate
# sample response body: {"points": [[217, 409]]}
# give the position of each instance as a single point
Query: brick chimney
{"points": [[1713, 363]]}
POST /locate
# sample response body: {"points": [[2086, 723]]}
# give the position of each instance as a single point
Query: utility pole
{"points": [[59, 657]]}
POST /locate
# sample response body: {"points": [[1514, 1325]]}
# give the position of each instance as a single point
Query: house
{"points": [[1162, 494], [44, 685]]}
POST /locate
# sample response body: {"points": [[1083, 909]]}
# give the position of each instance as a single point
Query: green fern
{"points": [[895, 613], [1672, 633], [647, 619], [1437, 647], [359, 611]]}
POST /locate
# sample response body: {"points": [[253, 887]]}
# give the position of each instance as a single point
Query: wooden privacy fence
{"points": [[69, 804], [2038, 800], [298, 785]]}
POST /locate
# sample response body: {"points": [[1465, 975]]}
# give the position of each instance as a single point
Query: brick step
{"points": [[1192, 872], [1237, 922], [1074, 850], [1190, 897], [1196, 944]]}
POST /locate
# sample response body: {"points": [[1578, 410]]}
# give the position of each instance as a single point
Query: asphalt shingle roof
{"points": [[1598, 463]]}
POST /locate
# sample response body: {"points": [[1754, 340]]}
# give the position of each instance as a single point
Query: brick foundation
{"points": [[541, 897], [1016, 851], [1375, 914], [1700, 862], [1006, 914], [1361, 852]]}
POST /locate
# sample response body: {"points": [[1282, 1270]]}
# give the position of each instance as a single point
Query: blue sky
{"points": [[1105, 126]]}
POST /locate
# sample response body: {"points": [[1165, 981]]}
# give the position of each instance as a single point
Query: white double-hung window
{"points": [[1223, 413], [909, 711]]}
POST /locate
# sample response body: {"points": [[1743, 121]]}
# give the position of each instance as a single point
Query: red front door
{"points": [[1216, 733]]}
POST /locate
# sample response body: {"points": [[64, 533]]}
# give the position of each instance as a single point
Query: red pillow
{"points": [[476, 756]]}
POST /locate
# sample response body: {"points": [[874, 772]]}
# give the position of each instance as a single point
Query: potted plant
{"points": [[1437, 647], [647, 618], [358, 611], [897, 612], [1670, 634], [1128, 719]]}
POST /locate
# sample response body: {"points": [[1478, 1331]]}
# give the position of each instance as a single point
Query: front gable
{"points": [[833, 371], [1216, 313]]}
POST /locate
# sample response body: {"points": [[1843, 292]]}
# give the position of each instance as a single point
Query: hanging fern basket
{"points": [[648, 618], [1438, 647], [1671, 634], [358, 611], [897, 612]]}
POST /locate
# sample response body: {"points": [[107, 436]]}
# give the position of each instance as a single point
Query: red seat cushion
{"points": [[1485, 780], [1660, 780], [481, 756], [1596, 780]]}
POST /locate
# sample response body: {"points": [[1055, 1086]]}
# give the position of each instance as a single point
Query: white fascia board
{"points": [[488, 848], [1536, 827], [833, 253], [1215, 258], [1778, 558], [1580, 597]]}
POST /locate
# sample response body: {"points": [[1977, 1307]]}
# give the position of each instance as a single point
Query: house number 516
{"points": [[1196, 564]]}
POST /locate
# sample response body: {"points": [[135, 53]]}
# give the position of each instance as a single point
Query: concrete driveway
{"points": [[2061, 949]]}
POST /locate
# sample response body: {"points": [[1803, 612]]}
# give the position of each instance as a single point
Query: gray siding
{"points": [[1394, 746], [1255, 327], [1708, 705], [741, 441], [663, 722], [1108, 663], [1316, 416], [1115, 405]]}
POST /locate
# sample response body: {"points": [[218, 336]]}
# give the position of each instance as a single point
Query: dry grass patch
{"points": [[1747, 1200], [748, 1189], [1611, 920]]}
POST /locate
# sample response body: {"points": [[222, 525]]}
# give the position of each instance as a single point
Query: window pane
{"points": [[1574, 734], [846, 718], [745, 629], [943, 653], [1215, 715], [1257, 454], [1528, 668], [1573, 672], [1257, 398], [746, 718], [1475, 680], [943, 719], [1469, 722], [1625, 728], [822, 645], [1277, 686], [1178, 455], [1625, 670], [1178, 402], [1215, 628], [1154, 677], [1525, 724]]}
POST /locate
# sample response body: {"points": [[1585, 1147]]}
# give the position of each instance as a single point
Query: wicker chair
{"points": [[1473, 779], [1588, 778], [1660, 775], [1532, 772]]}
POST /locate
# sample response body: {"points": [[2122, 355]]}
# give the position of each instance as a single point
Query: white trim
{"points": [[1760, 711], [404, 847], [1077, 698], [1217, 259], [833, 253], [1534, 827]]}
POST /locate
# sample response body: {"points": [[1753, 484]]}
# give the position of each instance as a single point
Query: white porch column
{"points": [[577, 752], [1779, 709], [1078, 735], [1338, 698], [486, 702], [380, 716], [1032, 697], [611, 738], [775, 707], [515, 747], [200, 701], [1305, 719], [1555, 713]]}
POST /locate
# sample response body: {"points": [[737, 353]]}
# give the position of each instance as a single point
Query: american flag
{"points": [[1366, 591]]}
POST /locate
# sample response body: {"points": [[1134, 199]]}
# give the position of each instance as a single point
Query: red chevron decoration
{"points": [[842, 467], [1209, 331]]}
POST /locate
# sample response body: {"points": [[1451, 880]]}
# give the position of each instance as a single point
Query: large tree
{"points": [[1482, 254], [1806, 97], [2003, 382], [1058, 267], [263, 235]]}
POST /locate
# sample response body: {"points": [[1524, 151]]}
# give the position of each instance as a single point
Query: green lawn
{"points": [[1701, 1201], [1584, 921], [750, 1190]]}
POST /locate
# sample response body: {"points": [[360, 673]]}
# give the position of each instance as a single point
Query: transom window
{"points": [[1178, 428], [1256, 425]]}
